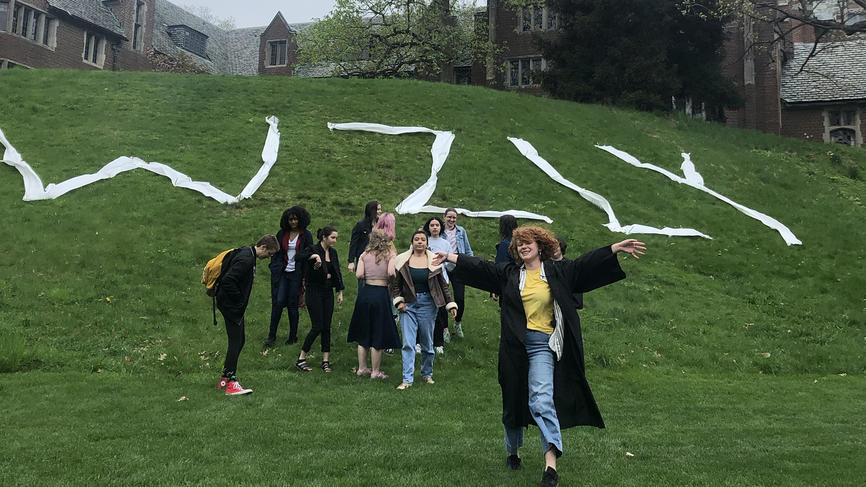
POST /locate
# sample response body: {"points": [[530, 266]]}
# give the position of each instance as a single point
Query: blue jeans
{"points": [[417, 322], [285, 293], [541, 361]]}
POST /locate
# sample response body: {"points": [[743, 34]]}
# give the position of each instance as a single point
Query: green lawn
{"points": [[732, 361]]}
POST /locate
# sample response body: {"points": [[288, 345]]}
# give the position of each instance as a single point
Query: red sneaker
{"points": [[223, 382], [234, 388]]}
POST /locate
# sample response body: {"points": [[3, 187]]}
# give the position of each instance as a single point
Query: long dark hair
{"points": [[507, 224], [370, 210], [427, 225], [301, 213]]}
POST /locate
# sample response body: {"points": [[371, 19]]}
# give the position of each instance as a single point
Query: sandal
{"points": [[301, 365], [360, 372], [378, 375], [404, 386], [326, 366]]}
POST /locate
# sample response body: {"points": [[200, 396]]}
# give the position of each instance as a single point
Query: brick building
{"points": [[512, 30], [823, 99], [825, 102], [75, 34], [117, 35]]}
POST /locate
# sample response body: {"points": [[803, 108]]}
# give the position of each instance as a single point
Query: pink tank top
{"points": [[373, 270]]}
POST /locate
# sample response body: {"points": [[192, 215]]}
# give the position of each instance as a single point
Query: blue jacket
{"points": [[463, 246]]}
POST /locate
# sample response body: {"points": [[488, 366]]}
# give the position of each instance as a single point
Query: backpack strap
{"points": [[214, 309]]}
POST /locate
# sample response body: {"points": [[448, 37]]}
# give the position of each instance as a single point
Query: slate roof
{"points": [[91, 11], [242, 50], [166, 14], [228, 52], [836, 73]]}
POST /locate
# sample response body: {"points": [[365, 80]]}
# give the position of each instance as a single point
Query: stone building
{"points": [[118, 34], [825, 101]]}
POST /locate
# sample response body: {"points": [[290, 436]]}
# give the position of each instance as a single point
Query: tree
{"points": [[826, 20], [206, 14], [388, 38], [638, 53]]}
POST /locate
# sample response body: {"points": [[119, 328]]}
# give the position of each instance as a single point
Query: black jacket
{"points": [[236, 283], [360, 239], [574, 402], [278, 260], [319, 277]]}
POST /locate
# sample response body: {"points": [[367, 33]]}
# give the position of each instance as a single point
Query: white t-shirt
{"points": [[292, 249]]}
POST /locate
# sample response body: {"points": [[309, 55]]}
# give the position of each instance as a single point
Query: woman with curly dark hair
{"points": [[540, 345], [287, 271]]}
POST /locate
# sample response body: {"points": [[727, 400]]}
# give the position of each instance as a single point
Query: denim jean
{"points": [[285, 293], [417, 321], [541, 361]]}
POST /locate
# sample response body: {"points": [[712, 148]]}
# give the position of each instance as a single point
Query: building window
{"points": [[138, 29], [523, 72], [4, 14], [190, 39], [539, 18], [842, 126], [7, 64], [29, 23], [94, 49], [277, 53]]}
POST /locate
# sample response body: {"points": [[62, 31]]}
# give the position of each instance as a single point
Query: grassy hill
{"points": [[732, 361]]}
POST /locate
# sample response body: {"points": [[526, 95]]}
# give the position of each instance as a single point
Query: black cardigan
{"points": [[574, 402], [319, 277], [278, 260], [360, 239]]}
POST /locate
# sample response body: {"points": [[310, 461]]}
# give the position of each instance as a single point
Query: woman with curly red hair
{"points": [[540, 345]]}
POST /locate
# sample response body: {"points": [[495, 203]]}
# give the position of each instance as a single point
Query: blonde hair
{"points": [[380, 245], [547, 243]]}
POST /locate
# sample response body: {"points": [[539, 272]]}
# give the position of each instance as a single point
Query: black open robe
{"points": [[574, 402]]}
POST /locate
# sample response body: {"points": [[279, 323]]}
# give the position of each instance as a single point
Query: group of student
{"points": [[541, 360], [406, 289]]}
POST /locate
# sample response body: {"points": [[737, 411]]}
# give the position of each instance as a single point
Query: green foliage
{"points": [[638, 53], [729, 348], [390, 38]]}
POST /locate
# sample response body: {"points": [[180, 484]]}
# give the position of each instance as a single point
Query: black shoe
{"points": [[550, 478], [513, 462], [292, 340]]}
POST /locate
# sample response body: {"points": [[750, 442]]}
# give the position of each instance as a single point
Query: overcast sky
{"points": [[254, 13]]}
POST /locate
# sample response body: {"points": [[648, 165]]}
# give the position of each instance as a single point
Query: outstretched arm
{"points": [[630, 246], [475, 272]]}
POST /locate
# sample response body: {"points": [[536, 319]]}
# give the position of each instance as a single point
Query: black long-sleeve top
{"points": [[360, 239], [319, 277]]}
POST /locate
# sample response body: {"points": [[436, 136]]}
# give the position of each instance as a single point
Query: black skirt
{"points": [[372, 323]]}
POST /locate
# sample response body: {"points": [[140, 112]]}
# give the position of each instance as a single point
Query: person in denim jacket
{"points": [[456, 236]]}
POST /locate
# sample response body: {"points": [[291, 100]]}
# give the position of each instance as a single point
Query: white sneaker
{"points": [[440, 349], [417, 348]]}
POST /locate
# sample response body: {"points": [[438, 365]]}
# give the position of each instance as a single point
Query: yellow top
{"points": [[537, 302]]}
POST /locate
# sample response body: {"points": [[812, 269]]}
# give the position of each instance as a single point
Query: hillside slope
{"points": [[97, 276]]}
